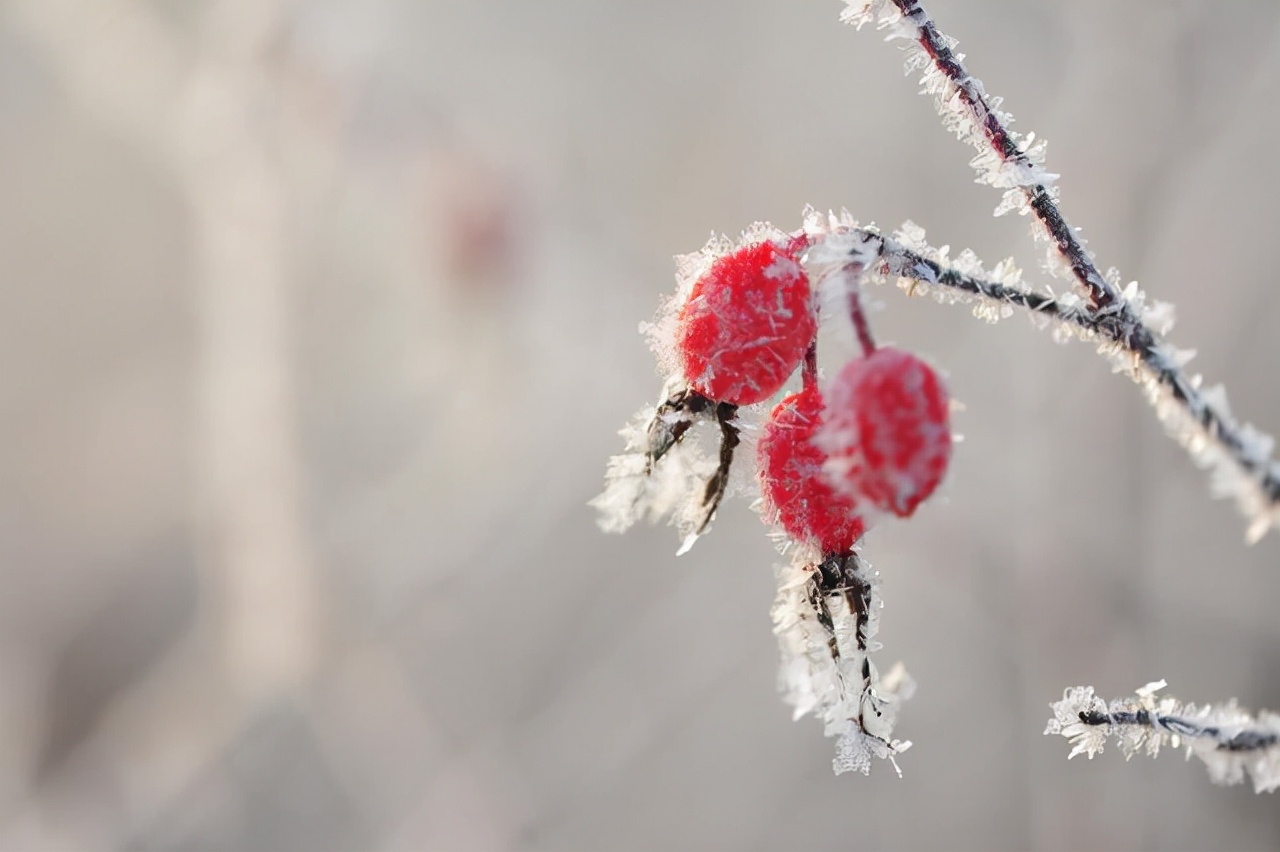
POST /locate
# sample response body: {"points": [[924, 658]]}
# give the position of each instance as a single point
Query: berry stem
{"points": [[860, 325], [809, 373]]}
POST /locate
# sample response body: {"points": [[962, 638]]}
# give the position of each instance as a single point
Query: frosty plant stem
{"points": [[873, 439], [861, 328], [1231, 742]]}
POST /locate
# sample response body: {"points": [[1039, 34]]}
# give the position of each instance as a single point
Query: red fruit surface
{"points": [[887, 430], [746, 325], [796, 491]]}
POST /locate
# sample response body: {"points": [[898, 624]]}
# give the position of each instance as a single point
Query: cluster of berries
{"points": [[874, 440], [877, 440]]}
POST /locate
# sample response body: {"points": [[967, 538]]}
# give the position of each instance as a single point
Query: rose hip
{"points": [[797, 493], [746, 324]]}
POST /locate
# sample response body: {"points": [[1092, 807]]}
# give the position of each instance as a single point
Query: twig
{"points": [[1231, 742], [1005, 159], [1039, 194]]}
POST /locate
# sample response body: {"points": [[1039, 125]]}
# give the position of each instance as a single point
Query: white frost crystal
{"points": [[860, 12]]}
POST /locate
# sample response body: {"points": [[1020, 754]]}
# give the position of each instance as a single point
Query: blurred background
{"points": [[317, 322]]}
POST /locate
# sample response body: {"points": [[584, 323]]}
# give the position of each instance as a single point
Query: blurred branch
{"points": [[203, 106]]}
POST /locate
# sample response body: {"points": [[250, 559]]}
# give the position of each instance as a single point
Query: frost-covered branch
{"points": [[826, 617], [1231, 742], [1131, 337], [1005, 160], [835, 456], [1200, 420], [1128, 332]]}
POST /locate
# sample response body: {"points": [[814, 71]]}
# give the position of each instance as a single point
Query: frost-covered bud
{"points": [[797, 495], [746, 324], [887, 431]]}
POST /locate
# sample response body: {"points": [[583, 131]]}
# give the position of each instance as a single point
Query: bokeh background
{"points": [[317, 320]]}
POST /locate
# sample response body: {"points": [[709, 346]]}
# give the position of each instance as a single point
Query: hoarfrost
{"points": [[1013, 201]]}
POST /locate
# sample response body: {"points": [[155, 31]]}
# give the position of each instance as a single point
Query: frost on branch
{"points": [[961, 100], [1237, 456], [826, 616], [1232, 743]]}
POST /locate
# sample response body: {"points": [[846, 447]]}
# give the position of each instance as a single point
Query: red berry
{"points": [[746, 324], [887, 430], [796, 491]]}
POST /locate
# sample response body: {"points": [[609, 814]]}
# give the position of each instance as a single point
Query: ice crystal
{"points": [[838, 261], [858, 13]]}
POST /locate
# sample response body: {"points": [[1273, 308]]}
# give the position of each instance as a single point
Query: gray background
{"points": [[317, 320]]}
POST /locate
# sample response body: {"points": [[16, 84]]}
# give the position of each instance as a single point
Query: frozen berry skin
{"points": [[797, 493], [887, 430], [746, 324]]}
